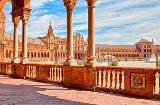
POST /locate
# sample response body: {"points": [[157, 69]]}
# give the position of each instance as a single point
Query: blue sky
{"points": [[116, 21]]}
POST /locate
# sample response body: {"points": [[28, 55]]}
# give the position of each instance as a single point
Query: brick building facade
{"points": [[43, 48]]}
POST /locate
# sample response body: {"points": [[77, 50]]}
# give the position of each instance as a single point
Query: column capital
{"points": [[91, 2], [24, 19], [69, 4], [16, 21]]}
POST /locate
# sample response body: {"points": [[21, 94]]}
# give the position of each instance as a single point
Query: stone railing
{"points": [[127, 80], [157, 82], [109, 79]]}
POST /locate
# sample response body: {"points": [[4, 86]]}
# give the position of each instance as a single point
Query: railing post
{"points": [[113, 79], [117, 85], [108, 82], [156, 83]]}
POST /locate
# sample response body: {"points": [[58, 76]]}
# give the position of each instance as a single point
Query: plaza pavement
{"points": [[120, 64], [27, 92]]}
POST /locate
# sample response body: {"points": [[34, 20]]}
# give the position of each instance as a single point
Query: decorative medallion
{"points": [[138, 80]]}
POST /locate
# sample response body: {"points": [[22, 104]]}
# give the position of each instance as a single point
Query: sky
{"points": [[117, 22]]}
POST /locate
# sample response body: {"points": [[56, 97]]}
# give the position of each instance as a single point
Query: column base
{"points": [[24, 60], [15, 60], [70, 63], [91, 62]]}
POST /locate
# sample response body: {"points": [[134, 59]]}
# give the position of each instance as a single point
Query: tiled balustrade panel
{"points": [[30, 71], [139, 81], [2, 68], [55, 73], [42, 72], [109, 78], [78, 77], [19, 71], [157, 82], [9, 68], [89, 79], [67, 74]]}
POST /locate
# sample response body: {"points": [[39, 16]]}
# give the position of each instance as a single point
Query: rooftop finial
{"points": [[50, 22]]}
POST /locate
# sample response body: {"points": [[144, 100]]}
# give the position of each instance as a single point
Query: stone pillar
{"points": [[91, 34], [24, 39], [70, 4], [15, 40]]}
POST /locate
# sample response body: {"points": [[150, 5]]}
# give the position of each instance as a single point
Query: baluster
{"points": [[96, 78], [99, 78], [109, 81], [35, 72], [156, 83], [29, 71], [104, 79], [55, 74], [60, 73], [117, 84], [122, 83], [113, 79], [52, 73]]}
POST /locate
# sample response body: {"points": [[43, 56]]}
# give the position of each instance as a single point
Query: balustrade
{"points": [[110, 79], [55, 74], [30, 71], [116, 79], [157, 83]]}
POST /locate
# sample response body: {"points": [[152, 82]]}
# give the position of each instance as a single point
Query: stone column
{"points": [[24, 39], [91, 34], [70, 4], [15, 40]]}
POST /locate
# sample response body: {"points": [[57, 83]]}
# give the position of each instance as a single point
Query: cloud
{"points": [[116, 22]]}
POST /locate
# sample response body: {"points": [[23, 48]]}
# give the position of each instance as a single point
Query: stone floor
{"points": [[27, 92]]}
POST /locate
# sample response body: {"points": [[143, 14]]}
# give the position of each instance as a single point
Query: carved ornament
{"points": [[24, 19], [91, 2], [69, 4], [16, 21]]}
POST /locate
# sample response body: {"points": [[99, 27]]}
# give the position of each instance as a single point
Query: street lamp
{"points": [[157, 56], [56, 56]]}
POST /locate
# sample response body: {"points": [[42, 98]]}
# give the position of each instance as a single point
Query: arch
{"points": [[6, 53], [35, 54], [45, 55], [42, 54], [32, 55], [48, 54], [39, 55]]}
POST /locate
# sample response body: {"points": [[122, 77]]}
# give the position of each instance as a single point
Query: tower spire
{"points": [[50, 23]]}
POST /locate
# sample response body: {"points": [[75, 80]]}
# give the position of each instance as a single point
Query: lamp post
{"points": [[157, 56], [56, 56]]}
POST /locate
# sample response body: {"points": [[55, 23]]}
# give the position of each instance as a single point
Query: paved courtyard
{"points": [[27, 92]]}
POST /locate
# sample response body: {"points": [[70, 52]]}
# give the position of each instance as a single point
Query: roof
{"points": [[31, 40], [116, 46], [144, 40]]}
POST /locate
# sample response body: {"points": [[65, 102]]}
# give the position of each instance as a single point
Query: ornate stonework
{"points": [[69, 4], [16, 21], [24, 19], [91, 2]]}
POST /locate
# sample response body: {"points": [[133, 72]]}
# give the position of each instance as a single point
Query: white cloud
{"points": [[39, 3], [117, 22]]}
